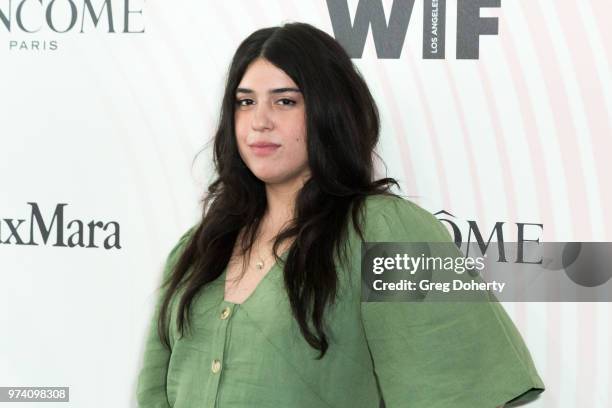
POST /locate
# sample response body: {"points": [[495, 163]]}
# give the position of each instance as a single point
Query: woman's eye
{"points": [[287, 102], [239, 102]]}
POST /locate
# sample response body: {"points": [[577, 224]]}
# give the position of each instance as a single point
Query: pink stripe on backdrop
{"points": [[434, 137], [528, 112], [542, 180], [479, 200], [588, 365], [601, 11], [511, 196], [565, 129], [590, 87], [577, 198], [399, 131], [565, 132]]}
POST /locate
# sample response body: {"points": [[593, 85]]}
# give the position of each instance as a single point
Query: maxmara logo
{"points": [[22, 18], [389, 37], [36, 229]]}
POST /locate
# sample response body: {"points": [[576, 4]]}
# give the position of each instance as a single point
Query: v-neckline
{"points": [[262, 280]]}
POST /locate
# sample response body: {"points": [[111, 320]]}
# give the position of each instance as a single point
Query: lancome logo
{"points": [[475, 235], [87, 234], [389, 37], [54, 17]]}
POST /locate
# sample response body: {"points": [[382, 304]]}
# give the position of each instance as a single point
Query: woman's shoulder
{"points": [[377, 203], [394, 208], [394, 218], [178, 247], [184, 238]]}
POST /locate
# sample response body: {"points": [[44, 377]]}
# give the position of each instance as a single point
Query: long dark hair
{"points": [[342, 126]]}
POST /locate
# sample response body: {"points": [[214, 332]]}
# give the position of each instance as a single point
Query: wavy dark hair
{"points": [[342, 126]]}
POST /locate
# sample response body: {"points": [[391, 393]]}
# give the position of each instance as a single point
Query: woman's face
{"points": [[270, 120]]}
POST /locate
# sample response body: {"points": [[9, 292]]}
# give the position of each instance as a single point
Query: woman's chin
{"points": [[268, 177], [275, 175], [275, 178]]}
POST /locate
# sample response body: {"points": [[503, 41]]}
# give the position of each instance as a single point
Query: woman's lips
{"points": [[263, 149]]}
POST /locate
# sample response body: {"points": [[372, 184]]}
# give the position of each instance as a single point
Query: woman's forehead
{"points": [[290, 89], [264, 77]]}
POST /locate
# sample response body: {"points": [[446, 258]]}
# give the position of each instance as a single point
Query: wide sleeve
{"points": [[151, 388], [441, 354]]}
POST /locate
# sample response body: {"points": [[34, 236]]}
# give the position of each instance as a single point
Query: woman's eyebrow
{"points": [[271, 91]]}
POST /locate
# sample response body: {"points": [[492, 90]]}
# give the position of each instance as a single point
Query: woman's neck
{"points": [[281, 202]]}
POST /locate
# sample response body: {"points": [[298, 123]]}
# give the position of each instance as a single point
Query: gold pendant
{"points": [[259, 265]]}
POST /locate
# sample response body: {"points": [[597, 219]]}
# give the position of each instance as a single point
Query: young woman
{"points": [[238, 325]]}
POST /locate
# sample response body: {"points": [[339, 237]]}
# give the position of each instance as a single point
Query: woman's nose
{"points": [[261, 117]]}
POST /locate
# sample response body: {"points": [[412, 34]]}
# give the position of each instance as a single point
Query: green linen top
{"points": [[409, 354]]}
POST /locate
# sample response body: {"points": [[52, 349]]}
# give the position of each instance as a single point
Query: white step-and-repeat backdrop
{"points": [[496, 116]]}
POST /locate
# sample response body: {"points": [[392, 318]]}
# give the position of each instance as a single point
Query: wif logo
{"points": [[389, 38], [52, 17]]}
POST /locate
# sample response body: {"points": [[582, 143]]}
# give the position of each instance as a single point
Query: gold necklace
{"points": [[259, 264]]}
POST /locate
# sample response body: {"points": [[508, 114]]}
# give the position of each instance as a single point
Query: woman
{"points": [[236, 325]]}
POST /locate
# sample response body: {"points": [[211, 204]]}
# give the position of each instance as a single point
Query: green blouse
{"points": [[409, 354]]}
